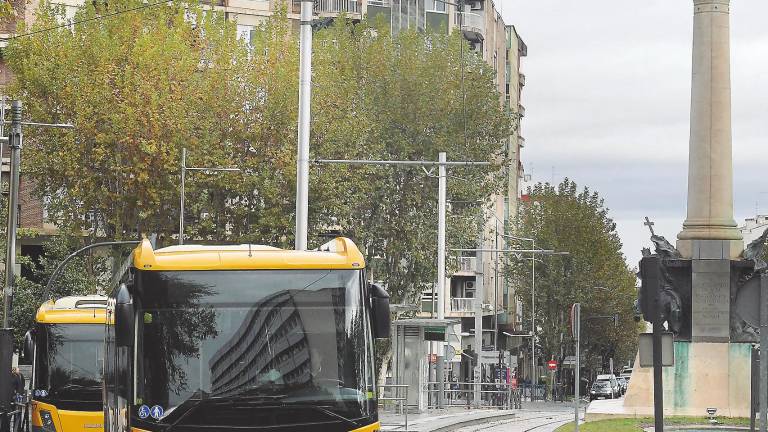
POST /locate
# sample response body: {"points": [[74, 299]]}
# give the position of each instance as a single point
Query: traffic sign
{"points": [[552, 364]]}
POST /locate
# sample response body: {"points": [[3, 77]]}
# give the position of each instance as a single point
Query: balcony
{"points": [[521, 110], [522, 80], [324, 7], [462, 304], [466, 264], [472, 25], [521, 141], [337, 6]]}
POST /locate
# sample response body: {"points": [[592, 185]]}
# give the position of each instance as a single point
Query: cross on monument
{"points": [[650, 225]]}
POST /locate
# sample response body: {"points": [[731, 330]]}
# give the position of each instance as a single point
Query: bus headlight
{"points": [[47, 420]]}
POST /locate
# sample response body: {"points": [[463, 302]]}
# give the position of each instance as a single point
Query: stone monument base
{"points": [[705, 375]]}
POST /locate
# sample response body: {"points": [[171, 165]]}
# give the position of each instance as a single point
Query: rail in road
{"points": [[536, 422]]}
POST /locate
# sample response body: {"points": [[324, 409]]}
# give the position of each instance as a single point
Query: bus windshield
{"points": [[69, 361], [252, 347]]}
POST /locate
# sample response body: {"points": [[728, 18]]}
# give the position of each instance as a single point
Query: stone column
{"points": [[710, 170]]}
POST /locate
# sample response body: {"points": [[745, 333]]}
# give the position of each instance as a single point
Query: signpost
{"points": [[576, 331], [650, 273]]}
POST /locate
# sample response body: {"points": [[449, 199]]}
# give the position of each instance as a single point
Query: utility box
{"points": [[419, 347]]}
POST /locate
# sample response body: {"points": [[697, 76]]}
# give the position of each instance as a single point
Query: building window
{"points": [[435, 6]]}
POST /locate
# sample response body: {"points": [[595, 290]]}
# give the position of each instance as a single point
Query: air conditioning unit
{"points": [[469, 285], [476, 5]]}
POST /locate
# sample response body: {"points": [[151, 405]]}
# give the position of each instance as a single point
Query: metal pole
{"points": [[577, 383], [479, 295], [658, 389], [763, 387], [181, 206], [441, 209], [496, 293], [755, 384], [533, 318], [2, 134], [6, 333], [15, 142], [305, 95]]}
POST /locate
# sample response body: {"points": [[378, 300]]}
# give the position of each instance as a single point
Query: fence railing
{"points": [[492, 395], [467, 264], [459, 304], [397, 397], [329, 6]]}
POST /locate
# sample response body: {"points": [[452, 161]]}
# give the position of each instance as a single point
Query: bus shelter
{"points": [[420, 348]]}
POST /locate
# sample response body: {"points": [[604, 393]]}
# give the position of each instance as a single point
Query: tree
{"points": [[137, 86], [564, 218]]}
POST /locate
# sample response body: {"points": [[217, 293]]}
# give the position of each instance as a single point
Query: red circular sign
{"points": [[552, 365]]}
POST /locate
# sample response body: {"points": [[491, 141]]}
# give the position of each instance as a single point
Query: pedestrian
{"points": [[18, 383]]}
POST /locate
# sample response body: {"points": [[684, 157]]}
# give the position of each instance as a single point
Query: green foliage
{"points": [[140, 86], [564, 218], [401, 98]]}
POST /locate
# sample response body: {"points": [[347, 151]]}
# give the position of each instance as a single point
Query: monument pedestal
{"points": [[705, 375], [710, 371]]}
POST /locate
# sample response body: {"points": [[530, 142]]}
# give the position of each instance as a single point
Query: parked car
{"points": [[611, 380], [622, 384], [602, 390]]}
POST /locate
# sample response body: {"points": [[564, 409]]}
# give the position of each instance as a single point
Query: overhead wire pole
{"points": [[305, 96], [442, 163], [15, 140]]}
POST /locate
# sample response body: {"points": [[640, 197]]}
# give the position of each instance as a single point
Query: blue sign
{"points": [[157, 412], [143, 412]]}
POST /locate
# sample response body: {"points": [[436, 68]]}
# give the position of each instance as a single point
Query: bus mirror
{"points": [[123, 317], [28, 351], [380, 311]]}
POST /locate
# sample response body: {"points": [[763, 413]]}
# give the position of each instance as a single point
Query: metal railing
{"points": [[337, 6], [537, 392], [467, 264], [459, 304], [399, 398], [329, 6], [492, 395]]}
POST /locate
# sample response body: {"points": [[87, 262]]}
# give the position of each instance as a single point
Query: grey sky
{"points": [[607, 104]]}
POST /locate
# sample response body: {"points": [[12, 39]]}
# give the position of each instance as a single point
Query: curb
{"points": [[473, 422]]}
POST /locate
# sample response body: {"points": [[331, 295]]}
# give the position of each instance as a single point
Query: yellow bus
{"points": [[244, 337], [66, 349]]}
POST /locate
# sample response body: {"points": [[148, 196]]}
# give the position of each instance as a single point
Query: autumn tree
{"points": [[138, 87], [595, 274]]}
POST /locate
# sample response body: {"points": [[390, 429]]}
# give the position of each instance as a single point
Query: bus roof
{"points": [[339, 253], [73, 310]]}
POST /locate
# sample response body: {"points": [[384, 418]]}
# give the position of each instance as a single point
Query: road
{"points": [[526, 421]]}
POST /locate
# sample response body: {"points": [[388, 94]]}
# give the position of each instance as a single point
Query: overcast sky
{"points": [[607, 101]]}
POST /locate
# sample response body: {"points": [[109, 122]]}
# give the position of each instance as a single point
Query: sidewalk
{"points": [[443, 420]]}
